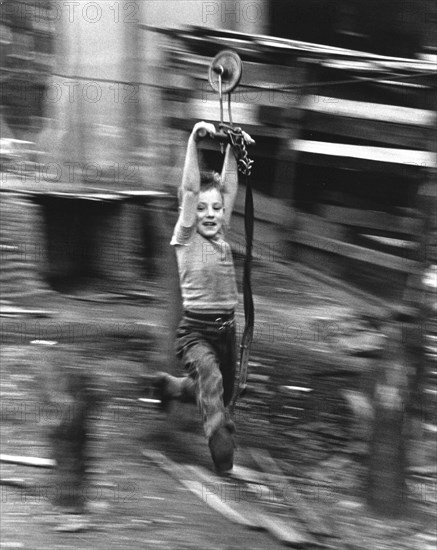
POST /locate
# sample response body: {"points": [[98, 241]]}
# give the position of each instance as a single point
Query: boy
{"points": [[205, 338]]}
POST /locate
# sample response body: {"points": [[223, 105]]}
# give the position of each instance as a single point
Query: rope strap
{"points": [[244, 164]]}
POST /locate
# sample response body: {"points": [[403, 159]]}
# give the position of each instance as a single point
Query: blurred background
{"points": [[97, 102]]}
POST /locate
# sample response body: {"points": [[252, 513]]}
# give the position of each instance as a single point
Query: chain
{"points": [[238, 145]]}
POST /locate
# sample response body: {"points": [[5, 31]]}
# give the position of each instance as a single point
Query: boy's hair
{"points": [[208, 180]]}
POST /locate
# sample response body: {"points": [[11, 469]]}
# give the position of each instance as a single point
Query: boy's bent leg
{"points": [[173, 388], [188, 389]]}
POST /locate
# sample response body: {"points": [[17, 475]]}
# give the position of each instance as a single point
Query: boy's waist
{"points": [[210, 317]]}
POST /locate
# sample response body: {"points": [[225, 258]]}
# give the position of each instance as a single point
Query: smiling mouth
{"points": [[209, 224]]}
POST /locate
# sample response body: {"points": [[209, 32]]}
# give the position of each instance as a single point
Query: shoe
{"points": [[161, 385], [221, 444]]}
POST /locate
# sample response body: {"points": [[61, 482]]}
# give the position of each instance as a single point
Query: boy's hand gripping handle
{"points": [[220, 135]]}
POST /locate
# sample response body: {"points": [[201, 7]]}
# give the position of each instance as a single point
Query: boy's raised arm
{"points": [[229, 179], [191, 175]]}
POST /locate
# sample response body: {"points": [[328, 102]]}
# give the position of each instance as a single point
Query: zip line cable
{"points": [[356, 80]]}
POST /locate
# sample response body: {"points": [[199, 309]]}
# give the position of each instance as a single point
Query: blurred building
{"points": [[26, 57], [401, 29]]}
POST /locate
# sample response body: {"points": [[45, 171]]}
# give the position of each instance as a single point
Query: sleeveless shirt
{"points": [[206, 271]]}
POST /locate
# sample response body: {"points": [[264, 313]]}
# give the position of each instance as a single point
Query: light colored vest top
{"points": [[206, 271]]}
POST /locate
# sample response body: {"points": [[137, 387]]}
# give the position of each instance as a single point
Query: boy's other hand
{"points": [[247, 138]]}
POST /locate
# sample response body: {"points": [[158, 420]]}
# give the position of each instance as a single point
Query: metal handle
{"points": [[220, 136]]}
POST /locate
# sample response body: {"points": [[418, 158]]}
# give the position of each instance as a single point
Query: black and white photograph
{"points": [[218, 234]]}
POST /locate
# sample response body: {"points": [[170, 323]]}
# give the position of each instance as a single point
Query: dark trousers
{"points": [[206, 346]]}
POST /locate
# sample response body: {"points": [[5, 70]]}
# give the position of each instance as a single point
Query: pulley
{"points": [[224, 76], [225, 72]]}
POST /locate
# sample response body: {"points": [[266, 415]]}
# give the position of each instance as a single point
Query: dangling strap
{"points": [[249, 310], [245, 166]]}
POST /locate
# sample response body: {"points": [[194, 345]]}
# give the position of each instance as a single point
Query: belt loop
{"points": [[226, 324]]}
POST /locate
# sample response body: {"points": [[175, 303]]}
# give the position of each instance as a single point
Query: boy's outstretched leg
{"points": [[202, 365]]}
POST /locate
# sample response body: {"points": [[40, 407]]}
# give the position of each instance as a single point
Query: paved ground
{"points": [[301, 342]]}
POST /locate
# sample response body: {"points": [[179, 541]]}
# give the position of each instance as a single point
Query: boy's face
{"points": [[210, 212]]}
